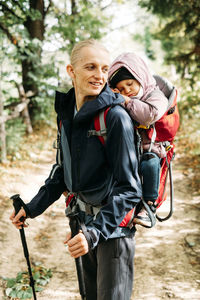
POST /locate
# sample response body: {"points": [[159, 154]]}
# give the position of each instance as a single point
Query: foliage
{"points": [[85, 20], [19, 287], [15, 132], [190, 106], [22, 23], [146, 39], [179, 34], [188, 151]]}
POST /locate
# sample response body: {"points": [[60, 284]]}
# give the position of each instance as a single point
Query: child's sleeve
{"points": [[150, 110]]}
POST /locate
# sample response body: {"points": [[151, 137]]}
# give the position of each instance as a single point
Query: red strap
{"points": [[60, 125], [97, 124], [69, 198]]}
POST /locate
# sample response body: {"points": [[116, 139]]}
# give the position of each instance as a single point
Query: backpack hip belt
{"points": [[88, 208], [74, 203]]}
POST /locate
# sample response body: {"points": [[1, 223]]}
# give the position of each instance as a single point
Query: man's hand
{"points": [[65, 193], [77, 245], [16, 219]]}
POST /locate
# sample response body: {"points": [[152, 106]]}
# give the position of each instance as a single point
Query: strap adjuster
{"points": [[101, 132]]}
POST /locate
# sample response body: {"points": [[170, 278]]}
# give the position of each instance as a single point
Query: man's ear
{"points": [[70, 71]]}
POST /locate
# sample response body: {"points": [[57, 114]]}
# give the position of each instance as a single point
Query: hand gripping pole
{"points": [[18, 204]]}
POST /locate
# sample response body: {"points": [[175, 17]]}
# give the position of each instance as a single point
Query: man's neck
{"points": [[80, 101]]}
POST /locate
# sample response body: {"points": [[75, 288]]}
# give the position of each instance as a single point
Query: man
{"points": [[104, 179]]}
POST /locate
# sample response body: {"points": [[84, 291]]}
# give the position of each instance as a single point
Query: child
{"points": [[145, 102]]}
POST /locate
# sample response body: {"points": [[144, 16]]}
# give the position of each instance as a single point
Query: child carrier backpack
{"points": [[164, 131]]}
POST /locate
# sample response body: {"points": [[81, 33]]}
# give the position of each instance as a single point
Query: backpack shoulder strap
{"points": [[100, 128], [57, 143], [100, 125]]}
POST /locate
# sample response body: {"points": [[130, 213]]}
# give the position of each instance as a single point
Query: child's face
{"points": [[128, 87]]}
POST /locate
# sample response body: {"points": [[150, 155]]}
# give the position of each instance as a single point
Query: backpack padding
{"points": [[167, 126], [164, 85]]}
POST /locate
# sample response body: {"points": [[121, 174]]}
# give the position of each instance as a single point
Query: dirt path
{"points": [[167, 256]]}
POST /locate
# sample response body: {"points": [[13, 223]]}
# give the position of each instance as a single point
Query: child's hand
{"points": [[126, 98], [115, 90]]}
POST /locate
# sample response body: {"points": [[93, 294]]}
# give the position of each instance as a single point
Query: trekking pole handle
{"points": [[18, 203]]}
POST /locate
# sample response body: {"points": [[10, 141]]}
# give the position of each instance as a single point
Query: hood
{"points": [[138, 68], [65, 102]]}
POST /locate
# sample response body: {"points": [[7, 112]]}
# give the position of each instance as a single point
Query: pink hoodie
{"points": [[152, 105]]}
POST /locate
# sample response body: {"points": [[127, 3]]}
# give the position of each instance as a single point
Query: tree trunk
{"points": [[36, 29], [25, 111], [73, 7]]}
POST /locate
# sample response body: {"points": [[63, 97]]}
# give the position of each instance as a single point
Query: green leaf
{"points": [[11, 282], [19, 287], [39, 289], [43, 281], [36, 275], [20, 294], [19, 277], [13, 294], [27, 295]]}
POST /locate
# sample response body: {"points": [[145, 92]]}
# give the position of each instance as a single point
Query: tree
{"points": [[179, 34], [79, 21], [23, 23]]}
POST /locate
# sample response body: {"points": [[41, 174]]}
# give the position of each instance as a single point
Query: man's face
{"points": [[90, 72]]}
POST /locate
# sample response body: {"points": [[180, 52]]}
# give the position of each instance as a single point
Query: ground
{"points": [[167, 256]]}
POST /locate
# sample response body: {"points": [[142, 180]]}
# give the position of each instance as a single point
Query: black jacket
{"points": [[104, 176]]}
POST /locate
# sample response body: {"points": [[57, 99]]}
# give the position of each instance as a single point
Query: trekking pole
{"points": [[74, 225], [18, 204]]}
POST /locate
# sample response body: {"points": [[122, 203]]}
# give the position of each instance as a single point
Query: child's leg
{"points": [[150, 173]]}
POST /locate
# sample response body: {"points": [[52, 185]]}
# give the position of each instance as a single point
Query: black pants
{"points": [[108, 270]]}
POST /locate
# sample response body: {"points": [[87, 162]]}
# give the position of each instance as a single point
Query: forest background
{"points": [[36, 37]]}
